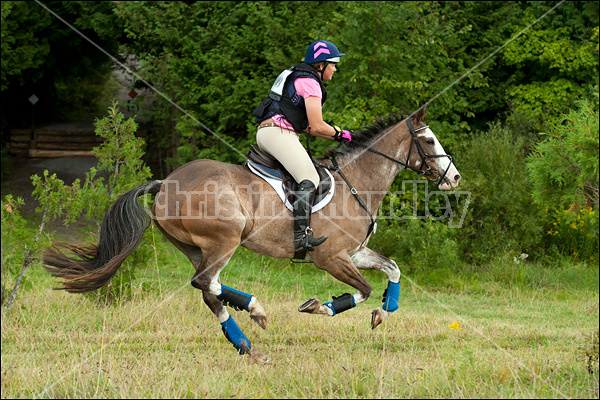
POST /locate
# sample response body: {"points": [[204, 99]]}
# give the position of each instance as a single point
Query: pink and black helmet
{"points": [[322, 50]]}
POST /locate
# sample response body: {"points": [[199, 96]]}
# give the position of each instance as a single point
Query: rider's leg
{"points": [[285, 146], [302, 210]]}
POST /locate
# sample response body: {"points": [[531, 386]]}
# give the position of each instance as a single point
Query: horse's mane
{"points": [[364, 135]]}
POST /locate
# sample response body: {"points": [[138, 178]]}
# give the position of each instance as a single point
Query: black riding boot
{"points": [[303, 238]]}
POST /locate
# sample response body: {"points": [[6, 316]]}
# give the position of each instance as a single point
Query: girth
{"points": [[273, 168]]}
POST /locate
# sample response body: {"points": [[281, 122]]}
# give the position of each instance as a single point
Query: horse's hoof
{"points": [[310, 306], [377, 317], [261, 320], [258, 357]]}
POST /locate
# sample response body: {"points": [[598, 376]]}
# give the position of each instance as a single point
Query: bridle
{"points": [[424, 156], [428, 172]]}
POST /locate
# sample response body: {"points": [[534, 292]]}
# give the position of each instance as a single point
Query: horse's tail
{"points": [[92, 266]]}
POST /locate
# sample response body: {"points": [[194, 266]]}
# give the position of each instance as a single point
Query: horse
{"points": [[208, 208]]}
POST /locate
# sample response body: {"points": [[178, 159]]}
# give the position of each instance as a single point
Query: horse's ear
{"points": [[421, 114]]}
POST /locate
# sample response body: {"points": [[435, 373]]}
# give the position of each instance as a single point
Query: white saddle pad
{"points": [[278, 186]]}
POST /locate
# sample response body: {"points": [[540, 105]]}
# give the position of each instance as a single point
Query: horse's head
{"points": [[427, 156]]}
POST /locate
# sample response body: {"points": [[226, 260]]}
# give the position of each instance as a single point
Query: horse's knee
{"points": [[205, 283], [196, 283]]}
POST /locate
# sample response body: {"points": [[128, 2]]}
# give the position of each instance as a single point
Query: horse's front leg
{"points": [[342, 268], [368, 259]]}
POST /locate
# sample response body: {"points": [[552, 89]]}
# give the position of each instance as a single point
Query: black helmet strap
{"points": [[322, 70]]}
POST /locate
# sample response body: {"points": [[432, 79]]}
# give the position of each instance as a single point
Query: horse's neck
{"points": [[373, 174]]}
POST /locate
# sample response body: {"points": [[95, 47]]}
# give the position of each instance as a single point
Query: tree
{"points": [[563, 167], [43, 56]]}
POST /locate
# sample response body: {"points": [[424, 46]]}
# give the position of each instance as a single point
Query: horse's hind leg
{"points": [[208, 266], [208, 282], [368, 259], [230, 329], [216, 295]]}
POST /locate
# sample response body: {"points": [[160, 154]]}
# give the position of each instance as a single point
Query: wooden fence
{"points": [[75, 139]]}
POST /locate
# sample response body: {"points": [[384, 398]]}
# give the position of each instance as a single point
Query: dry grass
{"points": [[511, 344]]}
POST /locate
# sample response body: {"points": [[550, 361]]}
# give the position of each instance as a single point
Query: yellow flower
{"points": [[455, 326], [573, 225]]}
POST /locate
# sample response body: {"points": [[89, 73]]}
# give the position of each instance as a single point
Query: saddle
{"points": [[272, 168]]}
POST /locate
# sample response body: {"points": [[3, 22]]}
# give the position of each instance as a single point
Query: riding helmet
{"points": [[322, 50]]}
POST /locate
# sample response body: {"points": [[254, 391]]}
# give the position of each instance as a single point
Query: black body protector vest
{"points": [[284, 99]]}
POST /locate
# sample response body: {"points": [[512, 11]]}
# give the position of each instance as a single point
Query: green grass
{"points": [[524, 334]]}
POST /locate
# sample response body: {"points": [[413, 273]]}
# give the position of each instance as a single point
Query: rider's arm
{"points": [[318, 127]]}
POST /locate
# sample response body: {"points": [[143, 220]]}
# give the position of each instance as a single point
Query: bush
{"points": [[502, 217], [23, 243], [121, 157], [425, 248], [574, 233], [14, 237]]}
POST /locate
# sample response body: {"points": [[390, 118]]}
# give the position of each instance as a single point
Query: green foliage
{"points": [[121, 153], [422, 247], [214, 62], [23, 244], [558, 57], [38, 58], [564, 167], [119, 156], [396, 54], [22, 49], [56, 198], [14, 236], [502, 217], [574, 233]]}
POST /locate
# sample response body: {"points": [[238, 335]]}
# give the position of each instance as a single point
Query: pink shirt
{"points": [[305, 87]]}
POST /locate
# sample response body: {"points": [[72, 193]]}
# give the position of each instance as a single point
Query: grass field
{"points": [[513, 332]]}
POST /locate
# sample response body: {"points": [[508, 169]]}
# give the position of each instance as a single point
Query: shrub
{"points": [[425, 248], [121, 157], [56, 200], [502, 217], [14, 236], [574, 233]]}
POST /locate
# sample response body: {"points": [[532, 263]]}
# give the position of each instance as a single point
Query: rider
{"points": [[294, 106]]}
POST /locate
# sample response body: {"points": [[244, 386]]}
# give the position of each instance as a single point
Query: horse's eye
{"points": [[430, 142]]}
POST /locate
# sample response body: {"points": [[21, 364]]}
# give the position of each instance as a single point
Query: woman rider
{"points": [[294, 106]]}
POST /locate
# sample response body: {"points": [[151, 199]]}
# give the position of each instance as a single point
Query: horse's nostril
{"points": [[456, 178]]}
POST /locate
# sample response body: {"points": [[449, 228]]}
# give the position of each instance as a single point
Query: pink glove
{"points": [[342, 134]]}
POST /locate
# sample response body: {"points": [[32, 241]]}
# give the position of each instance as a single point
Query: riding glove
{"points": [[342, 134]]}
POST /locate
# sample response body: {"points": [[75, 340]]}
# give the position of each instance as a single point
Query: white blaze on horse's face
{"points": [[443, 163]]}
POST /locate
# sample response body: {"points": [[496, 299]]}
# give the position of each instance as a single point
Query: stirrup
{"points": [[308, 241]]}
